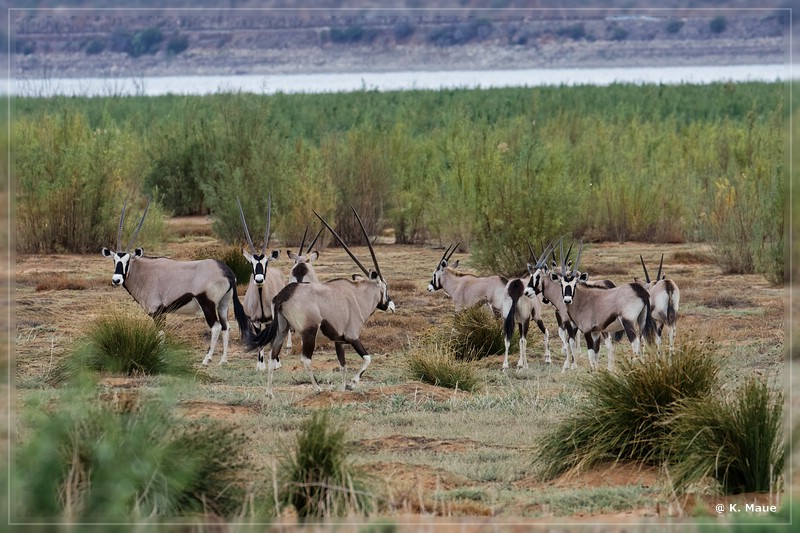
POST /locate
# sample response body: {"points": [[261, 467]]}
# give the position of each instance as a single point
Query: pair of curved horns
{"points": [[247, 232], [310, 246], [135, 232], [346, 249], [564, 258]]}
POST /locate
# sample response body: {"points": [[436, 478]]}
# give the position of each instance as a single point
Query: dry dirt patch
{"points": [[214, 410], [413, 392], [411, 444]]}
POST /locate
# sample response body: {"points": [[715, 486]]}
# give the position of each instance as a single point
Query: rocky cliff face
{"points": [[262, 42]]}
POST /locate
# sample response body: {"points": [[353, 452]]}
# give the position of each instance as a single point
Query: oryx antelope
{"points": [[595, 310], [265, 282], [550, 288], [338, 308], [665, 300], [519, 307], [303, 269], [161, 285], [467, 290]]}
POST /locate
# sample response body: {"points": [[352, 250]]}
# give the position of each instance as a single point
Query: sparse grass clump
{"points": [[437, 365], [124, 344], [231, 256], [625, 418], [736, 441], [476, 334], [86, 461], [316, 476]]}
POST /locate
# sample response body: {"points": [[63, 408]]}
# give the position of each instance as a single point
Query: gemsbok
{"points": [[161, 285], [303, 269], [338, 308], [551, 294], [467, 290], [265, 282], [595, 310], [665, 301], [519, 307]]}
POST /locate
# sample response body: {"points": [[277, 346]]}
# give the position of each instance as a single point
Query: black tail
{"points": [[671, 315], [515, 290], [649, 327], [245, 325], [253, 341]]}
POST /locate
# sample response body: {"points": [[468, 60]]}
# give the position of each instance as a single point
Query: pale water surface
{"points": [[391, 81]]}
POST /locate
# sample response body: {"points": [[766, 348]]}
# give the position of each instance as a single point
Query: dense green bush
{"points": [[625, 418], [718, 24], [177, 44], [85, 460], [736, 441]]}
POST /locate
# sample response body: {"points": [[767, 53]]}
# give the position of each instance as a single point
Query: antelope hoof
{"points": [[206, 361], [277, 365], [223, 362], [547, 359], [260, 365]]}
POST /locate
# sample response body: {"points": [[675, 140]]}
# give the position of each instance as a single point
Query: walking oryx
{"points": [[518, 309], [595, 310], [303, 270], [665, 300], [338, 308], [467, 290], [161, 285], [264, 284]]}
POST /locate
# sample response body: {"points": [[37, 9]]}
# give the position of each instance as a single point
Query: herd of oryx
{"points": [[272, 309]]}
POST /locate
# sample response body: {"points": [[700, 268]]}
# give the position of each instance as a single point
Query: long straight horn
{"points": [[533, 254], [303, 241], [121, 223], [346, 249], [136, 231], [646, 275], [658, 276], [444, 255], [453, 250], [563, 259], [543, 257], [311, 246], [366, 237], [578, 258], [269, 216], [244, 223]]}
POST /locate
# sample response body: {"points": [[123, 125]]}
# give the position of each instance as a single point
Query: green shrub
{"points": [[233, 257], [124, 344], [476, 333], [736, 441], [718, 24], [575, 32], [625, 417], [403, 31], [317, 477], [436, 364], [177, 44], [146, 41], [72, 181], [95, 47], [85, 461], [674, 26]]}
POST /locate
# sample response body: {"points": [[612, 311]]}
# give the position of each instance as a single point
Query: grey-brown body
{"points": [[519, 308]]}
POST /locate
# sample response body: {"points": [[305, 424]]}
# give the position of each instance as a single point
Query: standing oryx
{"points": [[595, 310], [264, 284], [665, 300], [338, 308], [467, 290], [161, 285], [519, 307], [303, 270]]}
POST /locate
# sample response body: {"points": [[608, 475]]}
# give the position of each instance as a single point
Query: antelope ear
{"points": [[275, 254], [313, 256], [373, 275], [663, 277], [635, 279], [358, 277], [291, 254], [553, 276], [106, 252], [139, 252], [583, 277], [569, 263], [455, 265], [443, 264], [530, 268], [247, 255]]}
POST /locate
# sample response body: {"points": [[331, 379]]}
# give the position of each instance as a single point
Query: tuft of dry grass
{"points": [[61, 282], [692, 258]]}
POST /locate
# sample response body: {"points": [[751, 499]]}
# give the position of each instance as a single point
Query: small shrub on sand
{"points": [[476, 333], [438, 365]]}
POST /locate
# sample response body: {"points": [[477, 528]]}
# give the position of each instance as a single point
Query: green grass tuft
{"points": [[317, 477], [737, 441], [476, 334], [124, 344], [627, 410], [437, 365]]}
